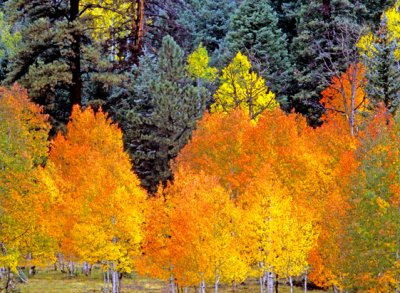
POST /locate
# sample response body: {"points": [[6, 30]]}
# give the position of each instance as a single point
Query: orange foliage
{"points": [[302, 165], [217, 149], [345, 99], [95, 201]]}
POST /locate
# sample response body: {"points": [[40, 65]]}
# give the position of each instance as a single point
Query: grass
{"points": [[48, 280]]}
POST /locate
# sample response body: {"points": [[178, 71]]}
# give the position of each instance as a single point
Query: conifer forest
{"points": [[200, 145]]}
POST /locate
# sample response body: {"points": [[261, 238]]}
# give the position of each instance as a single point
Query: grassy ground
{"points": [[48, 280]]}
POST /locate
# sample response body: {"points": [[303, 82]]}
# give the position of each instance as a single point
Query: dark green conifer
{"points": [[158, 113], [255, 32], [383, 70]]}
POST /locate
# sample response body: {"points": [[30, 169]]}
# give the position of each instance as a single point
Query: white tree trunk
{"points": [[172, 283], [335, 289], [202, 286], [291, 284], [115, 281], [71, 268], [216, 284], [305, 282], [270, 282]]}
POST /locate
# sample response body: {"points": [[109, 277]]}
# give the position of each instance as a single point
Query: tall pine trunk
{"points": [[138, 32], [75, 61]]}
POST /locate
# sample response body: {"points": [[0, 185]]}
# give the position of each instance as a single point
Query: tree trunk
{"points": [[353, 98], [9, 282], [22, 277], [216, 284], [32, 270], [277, 284], [120, 281], [335, 289], [108, 280], [202, 286], [71, 268], [138, 32], [114, 280], [105, 289], [234, 289], [172, 283], [305, 282], [75, 61], [291, 284], [270, 282]]}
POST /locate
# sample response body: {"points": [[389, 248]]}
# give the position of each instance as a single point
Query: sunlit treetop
{"points": [[242, 88]]}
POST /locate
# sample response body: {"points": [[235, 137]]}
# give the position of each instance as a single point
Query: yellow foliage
{"points": [[106, 16], [198, 65], [391, 23], [242, 88]]}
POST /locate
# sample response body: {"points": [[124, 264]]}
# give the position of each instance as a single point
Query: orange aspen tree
{"points": [[96, 197], [216, 149], [156, 259], [327, 257], [346, 99]]}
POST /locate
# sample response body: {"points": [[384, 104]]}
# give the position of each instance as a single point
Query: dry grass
{"points": [[48, 280]]}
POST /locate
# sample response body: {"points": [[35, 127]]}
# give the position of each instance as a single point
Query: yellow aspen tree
{"points": [[23, 147], [204, 232], [242, 88]]}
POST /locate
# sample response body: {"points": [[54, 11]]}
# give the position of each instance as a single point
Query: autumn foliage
{"points": [[268, 198], [94, 202]]}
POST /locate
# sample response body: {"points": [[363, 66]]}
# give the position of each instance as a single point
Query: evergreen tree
{"points": [[58, 59], [324, 44], [254, 31], [383, 72], [46, 60], [208, 21], [158, 113], [327, 33], [9, 42]]}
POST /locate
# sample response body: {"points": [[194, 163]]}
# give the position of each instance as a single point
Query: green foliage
{"points": [[382, 63], [158, 113], [198, 65], [56, 60], [254, 30], [9, 41], [373, 239], [208, 21]]}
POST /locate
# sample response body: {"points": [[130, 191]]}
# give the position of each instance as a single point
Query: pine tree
{"points": [[158, 113], [383, 72], [45, 62], [327, 33], [208, 21], [59, 60], [315, 31], [255, 32]]}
